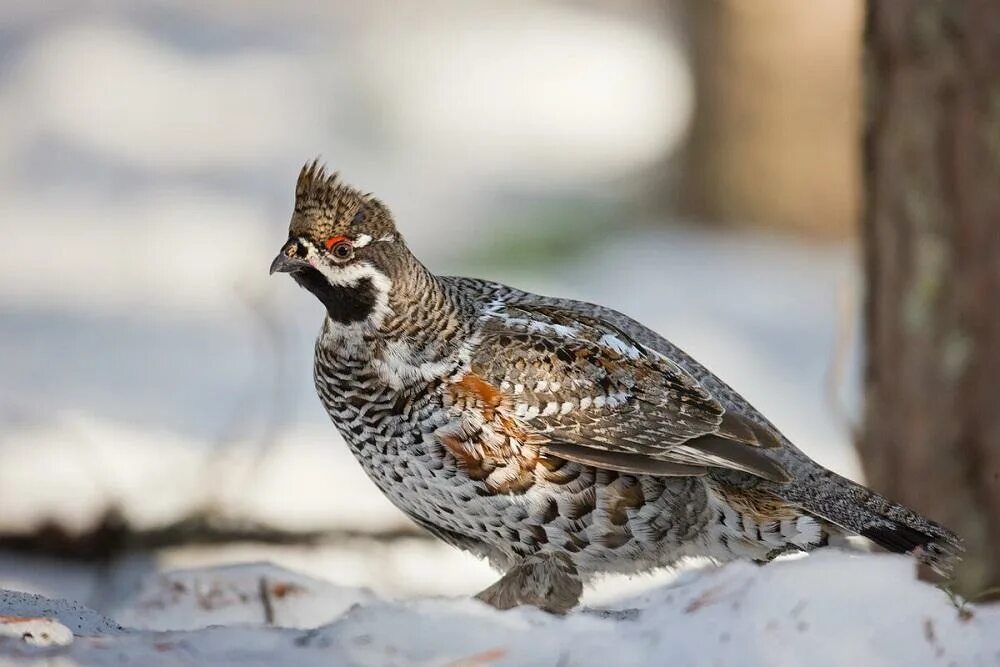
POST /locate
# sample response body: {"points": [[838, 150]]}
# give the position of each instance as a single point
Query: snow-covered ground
{"points": [[827, 609]]}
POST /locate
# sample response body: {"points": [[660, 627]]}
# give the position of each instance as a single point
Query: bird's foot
{"points": [[547, 581]]}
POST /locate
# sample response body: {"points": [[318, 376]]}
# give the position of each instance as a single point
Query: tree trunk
{"points": [[773, 139], [931, 436]]}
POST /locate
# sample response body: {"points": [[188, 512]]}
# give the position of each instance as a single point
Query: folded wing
{"points": [[586, 392]]}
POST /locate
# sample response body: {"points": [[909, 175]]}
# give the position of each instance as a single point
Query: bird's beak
{"points": [[289, 258]]}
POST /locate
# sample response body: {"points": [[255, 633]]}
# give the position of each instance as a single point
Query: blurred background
{"points": [[693, 164]]}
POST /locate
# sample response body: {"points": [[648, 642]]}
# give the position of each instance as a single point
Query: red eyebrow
{"points": [[334, 240]]}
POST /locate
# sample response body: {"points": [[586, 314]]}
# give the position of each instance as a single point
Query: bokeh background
{"points": [[692, 164]]}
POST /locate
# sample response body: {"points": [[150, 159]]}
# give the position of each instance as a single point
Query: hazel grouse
{"points": [[556, 438]]}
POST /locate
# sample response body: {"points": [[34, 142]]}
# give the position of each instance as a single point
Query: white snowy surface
{"points": [[77, 618], [831, 608], [237, 594]]}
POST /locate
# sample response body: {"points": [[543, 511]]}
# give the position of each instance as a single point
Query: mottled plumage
{"points": [[559, 439]]}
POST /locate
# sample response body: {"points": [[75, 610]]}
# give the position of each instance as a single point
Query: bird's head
{"points": [[342, 246]]}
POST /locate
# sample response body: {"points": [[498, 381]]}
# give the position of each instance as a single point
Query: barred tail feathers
{"points": [[893, 527]]}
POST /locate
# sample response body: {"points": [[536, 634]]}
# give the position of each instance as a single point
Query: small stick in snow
{"points": [[265, 599]]}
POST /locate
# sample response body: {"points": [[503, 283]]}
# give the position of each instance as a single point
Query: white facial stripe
{"points": [[352, 274], [362, 240]]}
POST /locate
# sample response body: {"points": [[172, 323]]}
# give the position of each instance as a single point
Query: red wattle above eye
{"points": [[334, 240]]}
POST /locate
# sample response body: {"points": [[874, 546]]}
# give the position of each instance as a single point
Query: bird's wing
{"points": [[583, 390]]}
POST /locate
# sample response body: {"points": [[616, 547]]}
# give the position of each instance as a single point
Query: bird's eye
{"points": [[340, 248]]}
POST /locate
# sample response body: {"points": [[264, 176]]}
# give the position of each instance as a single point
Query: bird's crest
{"points": [[316, 187], [323, 200]]}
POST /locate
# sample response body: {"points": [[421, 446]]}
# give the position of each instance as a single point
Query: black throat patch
{"points": [[344, 304]]}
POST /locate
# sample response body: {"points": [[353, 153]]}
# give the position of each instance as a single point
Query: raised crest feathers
{"points": [[321, 197], [315, 184], [318, 187]]}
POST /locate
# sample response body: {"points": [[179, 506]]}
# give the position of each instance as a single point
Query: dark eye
{"points": [[340, 247], [342, 250]]}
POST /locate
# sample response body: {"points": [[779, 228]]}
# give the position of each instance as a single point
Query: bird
{"points": [[558, 439]]}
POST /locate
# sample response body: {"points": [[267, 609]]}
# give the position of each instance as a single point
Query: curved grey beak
{"points": [[288, 258]]}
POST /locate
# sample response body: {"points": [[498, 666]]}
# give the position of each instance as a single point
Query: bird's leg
{"points": [[548, 581]]}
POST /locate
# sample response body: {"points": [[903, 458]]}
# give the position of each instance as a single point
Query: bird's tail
{"points": [[860, 510]]}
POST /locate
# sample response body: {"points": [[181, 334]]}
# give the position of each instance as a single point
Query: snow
{"points": [[237, 594], [831, 608], [77, 618]]}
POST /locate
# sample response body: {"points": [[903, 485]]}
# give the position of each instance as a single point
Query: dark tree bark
{"points": [[931, 435]]}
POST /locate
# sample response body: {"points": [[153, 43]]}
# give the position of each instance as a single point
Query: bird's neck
{"points": [[416, 319]]}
